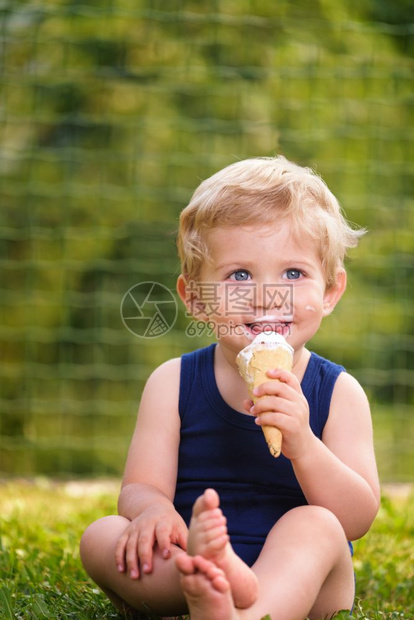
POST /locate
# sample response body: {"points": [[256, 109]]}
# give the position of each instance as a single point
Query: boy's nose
{"points": [[275, 296]]}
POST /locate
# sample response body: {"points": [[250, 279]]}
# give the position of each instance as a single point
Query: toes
{"points": [[220, 584], [208, 527], [199, 506], [207, 567], [216, 538], [207, 501], [185, 564], [211, 498], [212, 517], [214, 574]]}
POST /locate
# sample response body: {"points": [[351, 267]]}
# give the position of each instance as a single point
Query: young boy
{"points": [[209, 522]]}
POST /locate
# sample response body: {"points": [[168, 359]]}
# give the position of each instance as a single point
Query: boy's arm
{"points": [[340, 472], [153, 453], [150, 475]]}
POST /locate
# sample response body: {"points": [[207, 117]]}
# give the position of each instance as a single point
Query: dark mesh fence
{"points": [[111, 112]]}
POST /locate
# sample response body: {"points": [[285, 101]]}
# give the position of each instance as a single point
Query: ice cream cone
{"points": [[266, 352]]}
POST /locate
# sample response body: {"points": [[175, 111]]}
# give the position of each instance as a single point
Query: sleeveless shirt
{"points": [[224, 449]]}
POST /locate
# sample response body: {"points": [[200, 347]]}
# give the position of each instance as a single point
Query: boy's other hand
{"points": [[157, 525]]}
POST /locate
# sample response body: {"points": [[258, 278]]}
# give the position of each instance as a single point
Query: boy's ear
{"points": [[181, 288], [334, 293], [189, 293]]}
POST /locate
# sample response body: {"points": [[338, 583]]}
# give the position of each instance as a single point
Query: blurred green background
{"points": [[111, 112]]}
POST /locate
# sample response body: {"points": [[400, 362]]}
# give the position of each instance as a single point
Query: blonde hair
{"points": [[265, 191]]}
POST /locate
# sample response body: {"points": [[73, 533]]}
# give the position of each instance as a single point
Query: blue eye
{"points": [[293, 274], [241, 275]]}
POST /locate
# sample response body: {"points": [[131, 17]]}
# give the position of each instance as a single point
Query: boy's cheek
{"points": [[310, 297]]}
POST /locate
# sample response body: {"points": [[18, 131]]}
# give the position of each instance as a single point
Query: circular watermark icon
{"points": [[148, 310]]}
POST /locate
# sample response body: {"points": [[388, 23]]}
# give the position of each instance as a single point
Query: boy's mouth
{"points": [[269, 323]]}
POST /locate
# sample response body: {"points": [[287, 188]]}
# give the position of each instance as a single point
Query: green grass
{"points": [[41, 575]]}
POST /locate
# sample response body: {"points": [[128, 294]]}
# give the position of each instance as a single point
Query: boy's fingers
{"points": [[132, 557], [284, 376], [271, 418], [276, 388], [120, 554], [268, 388], [179, 535], [182, 538], [270, 404], [145, 545], [163, 536]]}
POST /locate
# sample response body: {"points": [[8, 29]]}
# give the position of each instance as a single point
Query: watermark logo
{"points": [[148, 310]]}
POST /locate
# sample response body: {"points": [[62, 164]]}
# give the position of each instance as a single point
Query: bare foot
{"points": [[208, 537], [206, 589]]}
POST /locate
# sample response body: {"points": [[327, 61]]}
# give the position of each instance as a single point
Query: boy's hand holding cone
{"points": [[268, 351]]}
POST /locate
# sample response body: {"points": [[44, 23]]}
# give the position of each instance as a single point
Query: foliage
{"points": [[111, 112], [41, 574]]}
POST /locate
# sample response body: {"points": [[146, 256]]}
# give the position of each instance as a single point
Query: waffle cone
{"points": [[253, 369]]}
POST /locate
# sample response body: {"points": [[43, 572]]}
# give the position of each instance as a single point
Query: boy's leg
{"points": [[304, 569], [159, 591]]}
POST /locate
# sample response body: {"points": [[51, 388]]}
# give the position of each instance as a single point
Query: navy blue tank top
{"points": [[224, 449]]}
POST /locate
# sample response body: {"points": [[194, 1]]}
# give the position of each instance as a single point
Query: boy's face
{"points": [[262, 278]]}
